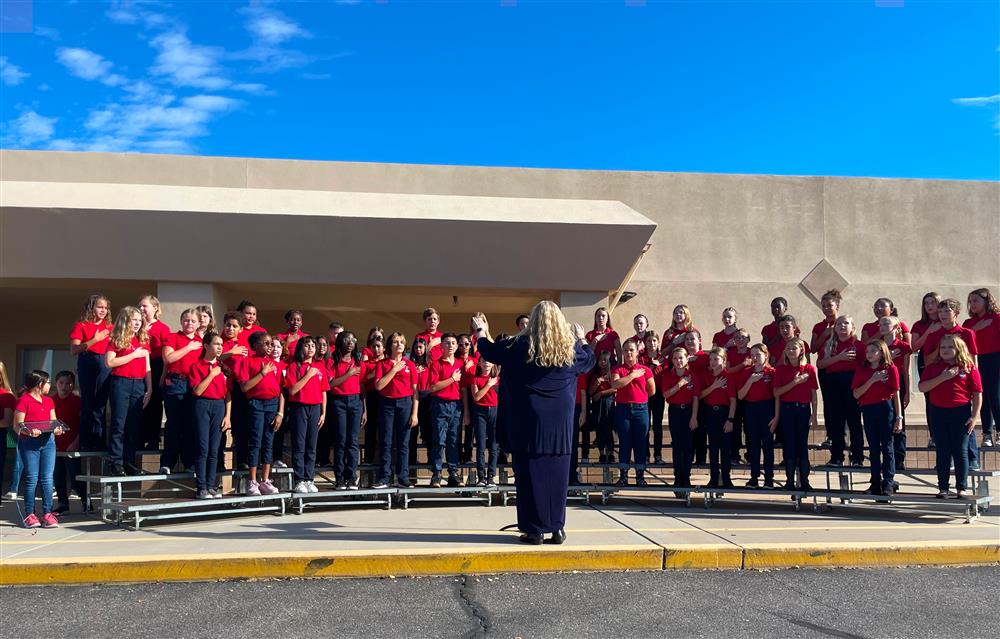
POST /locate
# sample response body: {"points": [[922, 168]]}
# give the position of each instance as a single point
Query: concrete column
{"points": [[176, 297], [579, 306]]}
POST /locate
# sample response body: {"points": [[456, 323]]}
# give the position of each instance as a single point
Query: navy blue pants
{"points": [[93, 379], [261, 414], [396, 437], [720, 443], [373, 429], [656, 406], [240, 430], [952, 438], [208, 415], [795, 423], [178, 433], [347, 411], [760, 439], [632, 426], [899, 439], [126, 419], [541, 482], [484, 418], [681, 442], [305, 430], [844, 413], [879, 421], [446, 416], [152, 415], [989, 370]]}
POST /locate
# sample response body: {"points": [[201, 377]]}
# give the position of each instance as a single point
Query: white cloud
{"points": [[982, 101], [187, 64], [315, 76], [10, 74], [270, 30], [29, 129], [272, 27], [47, 32], [253, 88], [88, 65]]}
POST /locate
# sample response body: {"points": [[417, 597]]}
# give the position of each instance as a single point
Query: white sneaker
{"points": [[301, 487], [215, 493], [10, 495], [280, 464], [254, 489], [164, 470], [312, 487], [267, 488]]}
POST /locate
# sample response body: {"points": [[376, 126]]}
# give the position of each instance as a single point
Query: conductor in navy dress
{"points": [[539, 369]]}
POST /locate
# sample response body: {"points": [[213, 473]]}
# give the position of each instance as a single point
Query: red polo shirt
{"points": [[685, 394], [934, 339], [219, 386], [490, 398], [955, 392], [433, 352], [736, 359], [234, 363], [720, 396], [657, 369], [136, 369], [722, 338], [68, 412], [779, 348], [762, 389], [289, 349], [871, 328], [879, 391], [840, 346], [441, 370], [244, 335], [698, 362], [987, 338], [35, 410], [314, 390], [635, 391], [822, 325], [177, 341], [351, 385], [802, 393], [607, 343], [899, 350], [402, 383], [269, 387], [158, 333], [85, 331]]}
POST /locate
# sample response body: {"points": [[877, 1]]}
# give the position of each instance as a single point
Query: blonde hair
{"points": [[803, 358], [721, 352], [962, 356], [763, 349], [688, 320], [155, 301], [832, 342], [897, 330], [550, 338], [121, 334], [884, 349], [5, 379]]}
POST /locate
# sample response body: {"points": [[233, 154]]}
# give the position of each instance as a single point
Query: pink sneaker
{"points": [[49, 521], [31, 521], [266, 488], [254, 489]]}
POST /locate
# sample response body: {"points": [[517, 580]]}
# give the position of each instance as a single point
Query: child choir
{"points": [[239, 385]]}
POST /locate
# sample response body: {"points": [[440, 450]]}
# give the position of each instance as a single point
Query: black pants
{"points": [[719, 443], [373, 429], [423, 430], [845, 413], [484, 418], [899, 439], [795, 418], [699, 441], [739, 429], [152, 415], [828, 400], [952, 437], [324, 441], [757, 417], [178, 434], [879, 420], [656, 406], [305, 430], [93, 378], [208, 415], [346, 425], [126, 419], [541, 482], [681, 444], [601, 414], [239, 432], [64, 476]]}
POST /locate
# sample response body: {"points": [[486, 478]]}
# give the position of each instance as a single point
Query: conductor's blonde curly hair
{"points": [[550, 337]]}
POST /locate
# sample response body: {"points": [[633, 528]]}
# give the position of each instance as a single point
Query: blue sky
{"points": [[875, 87]]}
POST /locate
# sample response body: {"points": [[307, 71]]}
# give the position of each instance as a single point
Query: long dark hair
{"points": [[300, 352], [340, 348], [419, 360]]}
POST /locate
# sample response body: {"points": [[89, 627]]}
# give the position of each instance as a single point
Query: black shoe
{"points": [[873, 490], [857, 463], [118, 471], [826, 443], [640, 481], [769, 484], [837, 463], [453, 481], [712, 483], [558, 537], [806, 486], [789, 485], [930, 443], [622, 481], [728, 483], [752, 483], [531, 538], [888, 489], [602, 459], [244, 466], [611, 458], [61, 508]]}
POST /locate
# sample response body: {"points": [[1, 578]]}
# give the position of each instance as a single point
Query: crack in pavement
{"points": [[466, 594]]}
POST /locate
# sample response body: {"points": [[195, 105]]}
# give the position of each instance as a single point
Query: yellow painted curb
{"points": [[714, 557], [870, 555], [181, 568]]}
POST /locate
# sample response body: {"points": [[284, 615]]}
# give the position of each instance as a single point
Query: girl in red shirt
{"points": [[839, 358], [890, 332], [876, 388], [152, 415], [180, 351], [348, 407], [755, 388], [984, 321], [634, 384], [787, 328], [883, 307], [35, 448], [718, 402], [375, 334], [131, 387], [210, 411], [276, 353], [698, 362], [88, 341], [681, 324], [603, 337], [641, 324], [324, 443], [822, 332], [726, 338], [466, 354], [602, 408], [260, 380], [397, 387], [738, 360], [206, 320], [769, 334], [234, 355], [372, 355], [484, 414], [293, 320], [795, 388], [681, 388], [922, 329], [249, 311], [418, 355], [956, 394], [650, 357], [307, 384]]}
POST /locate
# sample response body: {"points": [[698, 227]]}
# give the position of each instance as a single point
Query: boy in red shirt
{"points": [[446, 410], [67, 405]]}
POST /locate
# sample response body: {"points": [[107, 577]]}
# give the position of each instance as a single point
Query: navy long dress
{"points": [[537, 429]]}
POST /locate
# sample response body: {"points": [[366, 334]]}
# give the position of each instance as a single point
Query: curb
{"points": [[219, 567]]}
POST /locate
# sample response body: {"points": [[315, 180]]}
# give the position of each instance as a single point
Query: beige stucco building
{"points": [[375, 243]]}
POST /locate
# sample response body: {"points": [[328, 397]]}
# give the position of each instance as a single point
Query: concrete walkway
{"points": [[629, 533]]}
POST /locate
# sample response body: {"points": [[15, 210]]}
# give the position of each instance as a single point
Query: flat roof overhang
{"points": [[211, 234]]}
